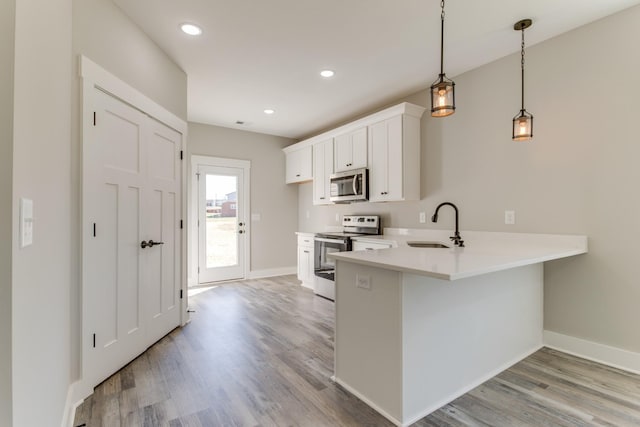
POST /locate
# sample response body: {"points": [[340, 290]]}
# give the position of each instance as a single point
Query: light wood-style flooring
{"points": [[260, 353]]}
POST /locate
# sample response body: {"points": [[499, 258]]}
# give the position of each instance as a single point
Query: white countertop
{"points": [[484, 252]]}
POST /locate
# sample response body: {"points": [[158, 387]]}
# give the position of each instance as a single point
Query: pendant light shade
{"points": [[523, 121], [443, 99], [522, 126]]}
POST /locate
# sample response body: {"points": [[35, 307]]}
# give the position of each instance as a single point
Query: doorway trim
{"points": [[192, 256]]}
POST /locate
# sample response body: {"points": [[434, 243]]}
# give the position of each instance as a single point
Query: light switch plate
{"points": [[423, 217], [509, 217], [26, 222]]}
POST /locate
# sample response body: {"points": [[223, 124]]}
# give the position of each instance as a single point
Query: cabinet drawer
{"points": [[306, 241], [368, 246]]}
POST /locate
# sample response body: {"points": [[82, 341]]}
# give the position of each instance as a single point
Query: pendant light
{"points": [[443, 100], [523, 121]]}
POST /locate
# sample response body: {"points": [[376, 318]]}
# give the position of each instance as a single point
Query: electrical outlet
{"points": [[509, 217], [363, 282], [423, 217]]}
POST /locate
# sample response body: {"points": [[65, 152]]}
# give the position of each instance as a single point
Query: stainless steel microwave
{"points": [[349, 186]]}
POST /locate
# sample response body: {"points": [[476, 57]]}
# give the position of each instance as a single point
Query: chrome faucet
{"points": [[457, 239]]}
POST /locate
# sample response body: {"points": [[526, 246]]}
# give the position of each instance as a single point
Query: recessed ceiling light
{"points": [[191, 29], [327, 73], [269, 111]]}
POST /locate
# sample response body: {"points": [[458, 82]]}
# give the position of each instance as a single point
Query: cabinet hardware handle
{"points": [[321, 198], [306, 252], [297, 174]]}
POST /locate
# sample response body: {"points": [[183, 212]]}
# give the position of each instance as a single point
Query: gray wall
{"points": [[7, 33], [578, 176], [40, 272], [105, 35], [273, 242]]}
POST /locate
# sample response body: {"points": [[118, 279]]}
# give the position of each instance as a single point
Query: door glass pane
{"points": [[222, 220]]}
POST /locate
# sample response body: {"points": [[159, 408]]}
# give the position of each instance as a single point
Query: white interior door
{"points": [[161, 262], [131, 194], [222, 223]]}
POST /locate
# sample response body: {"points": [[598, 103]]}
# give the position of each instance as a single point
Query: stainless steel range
{"points": [[326, 243]]}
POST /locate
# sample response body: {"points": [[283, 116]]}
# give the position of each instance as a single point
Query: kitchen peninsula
{"points": [[417, 327]]}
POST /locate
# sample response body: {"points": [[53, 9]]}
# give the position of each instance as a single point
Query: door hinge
{"points": [[198, 269], [94, 340], [94, 118], [94, 229], [180, 293], [181, 224], [181, 154]]}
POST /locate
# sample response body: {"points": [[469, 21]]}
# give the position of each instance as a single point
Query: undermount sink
{"points": [[427, 245]]}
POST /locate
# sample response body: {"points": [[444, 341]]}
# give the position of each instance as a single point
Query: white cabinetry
{"points": [[394, 159], [305, 259], [369, 246], [299, 165], [322, 170], [351, 150]]}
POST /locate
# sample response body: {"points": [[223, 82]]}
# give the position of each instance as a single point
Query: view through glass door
{"points": [[222, 225]]}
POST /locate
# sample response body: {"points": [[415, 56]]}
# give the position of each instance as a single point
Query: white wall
{"points": [[7, 33], [41, 276], [579, 175], [109, 38], [273, 242]]}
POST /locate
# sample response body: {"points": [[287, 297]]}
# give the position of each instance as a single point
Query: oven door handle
{"points": [[321, 239]]}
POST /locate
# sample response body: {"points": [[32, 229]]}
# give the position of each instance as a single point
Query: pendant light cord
{"points": [[522, 67], [442, 39]]}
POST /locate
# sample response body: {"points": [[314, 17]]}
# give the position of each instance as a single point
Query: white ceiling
{"points": [[258, 54]]}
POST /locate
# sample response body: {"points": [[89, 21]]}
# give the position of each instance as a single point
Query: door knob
{"points": [[241, 224], [150, 244], [240, 231]]}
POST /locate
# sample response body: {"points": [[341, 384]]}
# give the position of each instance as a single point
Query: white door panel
{"points": [[132, 183]]}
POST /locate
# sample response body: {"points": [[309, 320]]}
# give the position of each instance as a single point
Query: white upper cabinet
{"points": [[322, 170], [351, 150], [394, 159], [387, 142], [299, 165]]}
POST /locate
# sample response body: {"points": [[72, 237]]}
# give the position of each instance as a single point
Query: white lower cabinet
{"points": [[305, 259]]}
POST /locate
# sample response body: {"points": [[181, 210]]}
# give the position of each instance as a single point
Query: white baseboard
{"points": [[271, 272], [76, 394], [367, 401], [601, 353]]}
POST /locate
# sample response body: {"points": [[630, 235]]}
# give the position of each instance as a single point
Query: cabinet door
{"points": [[385, 160], [299, 165], [359, 148], [378, 165], [351, 150], [343, 153], [322, 170], [395, 161], [305, 265]]}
